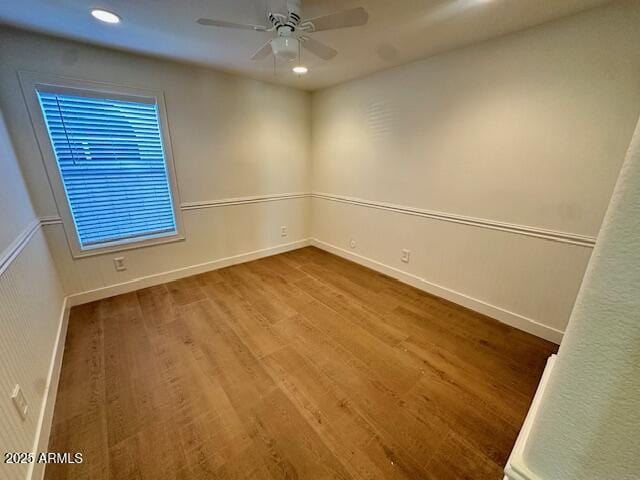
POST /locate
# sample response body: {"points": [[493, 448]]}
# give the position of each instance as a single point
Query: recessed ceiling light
{"points": [[105, 16], [300, 70]]}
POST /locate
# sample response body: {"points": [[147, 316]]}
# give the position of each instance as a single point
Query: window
{"points": [[111, 166]]}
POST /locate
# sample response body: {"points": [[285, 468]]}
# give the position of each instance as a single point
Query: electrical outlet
{"points": [[405, 256], [19, 401], [283, 231], [119, 264], [352, 243]]}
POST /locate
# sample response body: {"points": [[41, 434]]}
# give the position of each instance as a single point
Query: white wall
{"points": [[231, 137], [527, 130], [12, 192], [31, 302], [588, 424]]}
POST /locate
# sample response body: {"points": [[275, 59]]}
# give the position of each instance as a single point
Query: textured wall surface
{"points": [[31, 299], [588, 426], [231, 137], [529, 129]]}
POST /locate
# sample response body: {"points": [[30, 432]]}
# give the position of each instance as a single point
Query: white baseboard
{"points": [[43, 429], [516, 468], [505, 316], [169, 276]]}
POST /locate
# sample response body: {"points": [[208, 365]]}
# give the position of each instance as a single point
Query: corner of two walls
{"points": [[241, 151], [241, 156], [493, 164]]}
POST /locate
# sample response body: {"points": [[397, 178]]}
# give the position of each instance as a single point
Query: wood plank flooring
{"points": [[298, 366]]}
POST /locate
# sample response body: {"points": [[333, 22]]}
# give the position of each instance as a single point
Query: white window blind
{"points": [[111, 161]]}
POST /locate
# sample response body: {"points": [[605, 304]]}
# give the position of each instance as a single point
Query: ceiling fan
{"points": [[292, 31]]}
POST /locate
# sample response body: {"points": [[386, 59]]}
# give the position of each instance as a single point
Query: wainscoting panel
{"points": [[215, 231], [32, 323], [522, 276]]}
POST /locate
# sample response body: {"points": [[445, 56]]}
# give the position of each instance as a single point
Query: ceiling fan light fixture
{"points": [[105, 15], [286, 48], [293, 31], [300, 70]]}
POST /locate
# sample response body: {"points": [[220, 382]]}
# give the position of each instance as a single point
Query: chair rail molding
{"points": [[19, 243], [224, 202], [546, 234]]}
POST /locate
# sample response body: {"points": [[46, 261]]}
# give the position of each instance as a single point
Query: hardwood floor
{"points": [[298, 366]]}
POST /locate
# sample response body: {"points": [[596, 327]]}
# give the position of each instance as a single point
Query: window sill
{"points": [[135, 244]]}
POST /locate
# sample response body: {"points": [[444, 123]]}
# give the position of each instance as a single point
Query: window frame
{"points": [[31, 83]]}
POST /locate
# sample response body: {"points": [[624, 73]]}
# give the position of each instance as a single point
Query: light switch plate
{"points": [[19, 401]]}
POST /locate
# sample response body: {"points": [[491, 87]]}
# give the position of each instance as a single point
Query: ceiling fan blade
{"points": [[263, 52], [318, 48], [210, 22], [347, 18]]}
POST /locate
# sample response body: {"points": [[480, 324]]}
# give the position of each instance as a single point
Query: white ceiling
{"points": [[398, 31]]}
